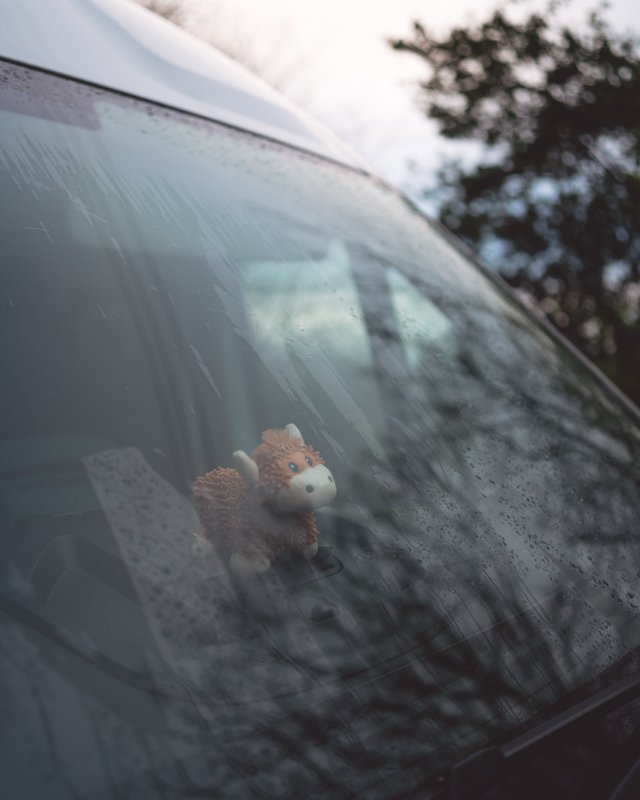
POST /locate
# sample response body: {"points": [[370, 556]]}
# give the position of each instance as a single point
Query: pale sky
{"points": [[331, 57]]}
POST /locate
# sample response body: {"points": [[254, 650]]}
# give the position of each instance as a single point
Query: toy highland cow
{"points": [[265, 506]]}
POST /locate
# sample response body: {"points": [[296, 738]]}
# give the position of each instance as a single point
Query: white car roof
{"points": [[120, 45]]}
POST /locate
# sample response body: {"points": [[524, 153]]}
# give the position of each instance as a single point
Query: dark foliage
{"points": [[554, 202]]}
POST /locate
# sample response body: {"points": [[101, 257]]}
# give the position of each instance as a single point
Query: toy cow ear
{"points": [[293, 432], [247, 467]]}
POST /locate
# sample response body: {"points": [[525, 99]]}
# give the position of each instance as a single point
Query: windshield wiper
{"points": [[485, 767]]}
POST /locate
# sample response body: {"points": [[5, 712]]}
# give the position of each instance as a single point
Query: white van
{"points": [[188, 262]]}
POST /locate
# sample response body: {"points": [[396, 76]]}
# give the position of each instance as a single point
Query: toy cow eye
{"points": [[308, 460], [293, 467]]}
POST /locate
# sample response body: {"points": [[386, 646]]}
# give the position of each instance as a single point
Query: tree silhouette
{"points": [[553, 202]]}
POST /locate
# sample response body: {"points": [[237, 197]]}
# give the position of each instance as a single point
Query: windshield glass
{"points": [[170, 290]]}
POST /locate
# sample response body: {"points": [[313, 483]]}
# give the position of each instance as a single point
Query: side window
{"points": [[423, 329], [307, 320]]}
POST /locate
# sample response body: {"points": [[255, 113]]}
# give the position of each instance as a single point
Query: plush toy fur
{"points": [[263, 509]]}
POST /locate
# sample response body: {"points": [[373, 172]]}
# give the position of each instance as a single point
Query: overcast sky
{"points": [[331, 56]]}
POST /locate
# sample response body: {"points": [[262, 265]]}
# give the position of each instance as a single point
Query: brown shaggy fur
{"points": [[238, 518]]}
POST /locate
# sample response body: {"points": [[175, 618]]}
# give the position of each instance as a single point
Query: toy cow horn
{"points": [[247, 467], [293, 432]]}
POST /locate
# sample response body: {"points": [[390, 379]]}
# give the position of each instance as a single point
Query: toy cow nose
{"points": [[309, 488]]}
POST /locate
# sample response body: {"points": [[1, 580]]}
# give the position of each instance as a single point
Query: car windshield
{"points": [[172, 288]]}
